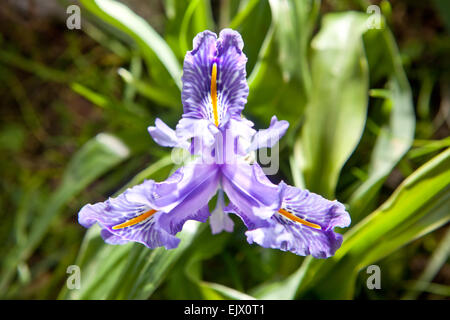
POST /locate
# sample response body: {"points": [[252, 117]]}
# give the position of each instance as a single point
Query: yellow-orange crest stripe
{"points": [[214, 94], [293, 217], [136, 220]]}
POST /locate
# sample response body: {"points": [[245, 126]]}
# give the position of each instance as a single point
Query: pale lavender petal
{"points": [[205, 130], [313, 207], [111, 238], [242, 131], [219, 219], [232, 85], [165, 136], [187, 193], [267, 138]]}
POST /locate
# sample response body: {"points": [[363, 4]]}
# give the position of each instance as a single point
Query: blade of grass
{"points": [[94, 159], [148, 40]]}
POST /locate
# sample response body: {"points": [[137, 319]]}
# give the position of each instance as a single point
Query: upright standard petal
{"points": [[303, 225], [214, 77]]}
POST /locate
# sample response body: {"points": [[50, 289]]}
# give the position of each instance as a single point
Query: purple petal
{"points": [[287, 234], [250, 220], [219, 220], [111, 238], [186, 194], [204, 129], [173, 221], [186, 191], [134, 202], [232, 84], [232, 89], [267, 138], [242, 131], [165, 136], [250, 190]]}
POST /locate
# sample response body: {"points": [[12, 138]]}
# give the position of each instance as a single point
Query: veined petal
{"points": [[129, 217], [250, 220], [214, 77], [174, 221], [187, 190], [188, 194], [152, 213], [303, 225], [250, 190], [267, 138]]}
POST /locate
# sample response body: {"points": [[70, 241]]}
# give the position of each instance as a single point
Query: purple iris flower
{"points": [[221, 141]]}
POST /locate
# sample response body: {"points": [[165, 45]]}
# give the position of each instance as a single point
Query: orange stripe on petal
{"points": [[293, 217], [135, 220], [214, 94]]}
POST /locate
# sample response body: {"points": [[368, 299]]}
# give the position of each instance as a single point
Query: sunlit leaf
{"points": [[396, 135], [148, 40], [337, 107], [418, 206]]}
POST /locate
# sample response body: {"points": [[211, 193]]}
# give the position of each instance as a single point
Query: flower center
{"points": [[293, 217], [214, 94], [135, 220]]}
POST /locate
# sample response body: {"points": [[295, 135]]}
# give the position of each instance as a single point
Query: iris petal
{"points": [[250, 190], [152, 213], [219, 220], [289, 235], [128, 205], [165, 136], [267, 138], [189, 188], [229, 84]]}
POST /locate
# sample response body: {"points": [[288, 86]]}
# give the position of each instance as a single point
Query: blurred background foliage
{"points": [[369, 110]]}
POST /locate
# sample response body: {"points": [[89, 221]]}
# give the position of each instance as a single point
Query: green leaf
{"points": [[337, 106], [93, 160], [198, 12], [418, 206], [227, 292], [280, 76], [148, 40], [294, 22], [396, 134]]}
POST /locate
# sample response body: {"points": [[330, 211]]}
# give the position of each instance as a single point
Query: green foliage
{"points": [[344, 89]]}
